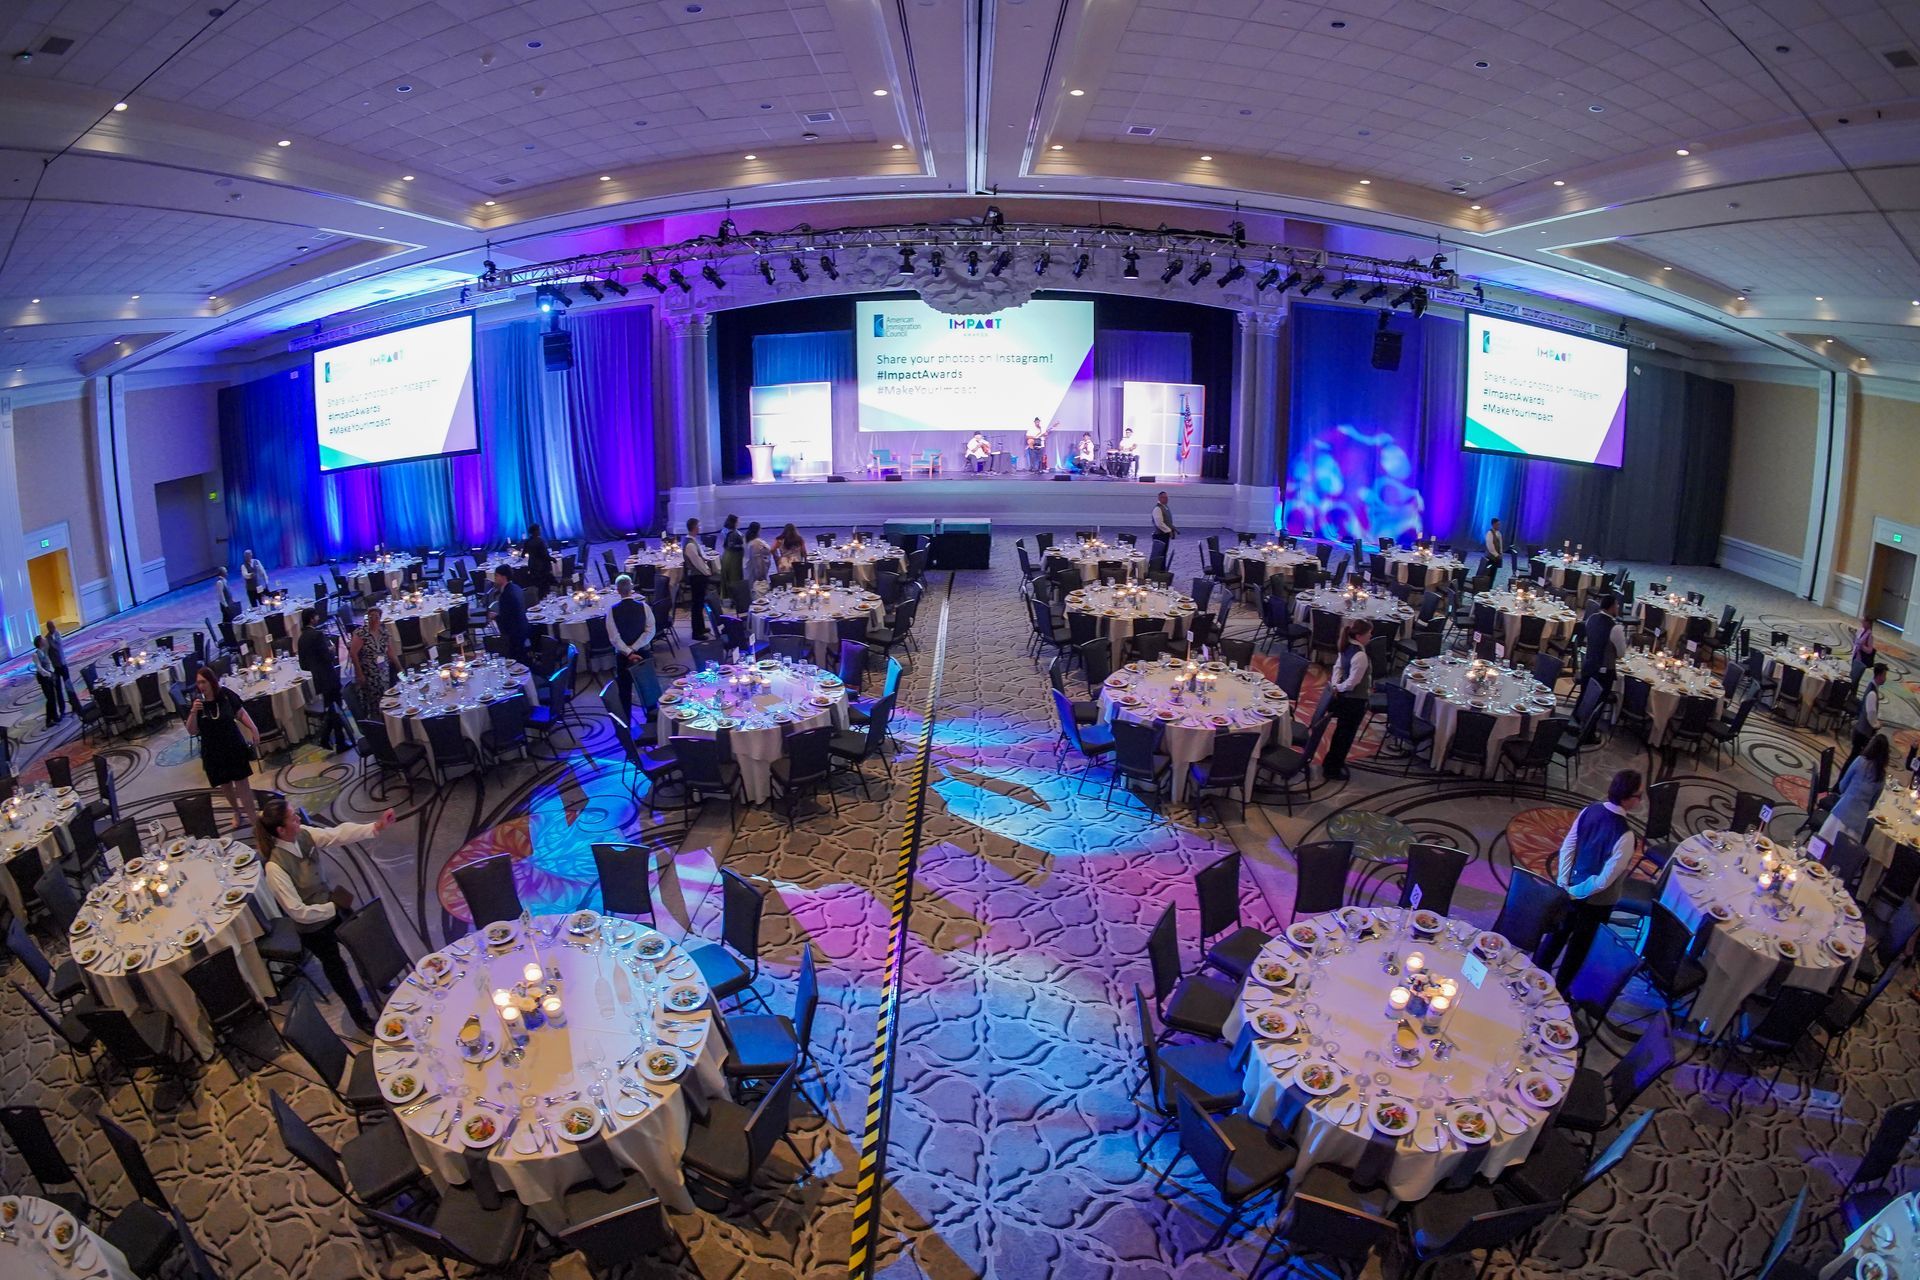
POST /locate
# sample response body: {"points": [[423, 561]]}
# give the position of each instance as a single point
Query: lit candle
{"points": [[1448, 988], [555, 1015], [1766, 882], [1415, 961], [502, 1001], [516, 1030], [1397, 1001], [1437, 1008]]}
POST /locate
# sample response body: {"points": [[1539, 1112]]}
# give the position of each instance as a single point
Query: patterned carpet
{"points": [[1014, 1133]]}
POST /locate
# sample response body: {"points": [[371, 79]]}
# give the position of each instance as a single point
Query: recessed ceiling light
{"points": [[606, 177], [136, 297], [284, 142], [1337, 25], [1741, 297], [750, 156], [901, 146], [1666, 268], [1076, 93], [879, 93], [119, 106], [1206, 157], [1916, 301], [1818, 298], [1559, 183], [1682, 151], [533, 44], [1482, 65], [489, 204], [403, 88], [1596, 108], [1917, 304], [1366, 182], [1058, 147], [406, 177], [1473, 206], [213, 297]]}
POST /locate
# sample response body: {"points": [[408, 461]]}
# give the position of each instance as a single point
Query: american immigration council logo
{"points": [[1486, 342], [326, 371], [879, 325]]}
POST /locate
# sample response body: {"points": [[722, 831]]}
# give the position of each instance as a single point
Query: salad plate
{"points": [[1470, 1123], [661, 1063], [402, 1086], [1392, 1117], [1319, 1077]]}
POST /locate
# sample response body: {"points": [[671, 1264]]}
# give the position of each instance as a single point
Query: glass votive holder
{"points": [[1416, 961], [516, 1027], [1397, 1001], [554, 1013], [531, 973]]}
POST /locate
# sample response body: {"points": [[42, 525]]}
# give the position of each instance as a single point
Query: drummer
{"points": [[1129, 451]]}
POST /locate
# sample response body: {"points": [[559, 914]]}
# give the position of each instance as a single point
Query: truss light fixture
{"points": [[1132, 272], [1419, 302], [1402, 298], [935, 261], [1200, 272], [592, 290], [827, 265], [1342, 289], [1313, 286], [1293, 278], [1235, 272], [994, 218], [1080, 265], [906, 260], [766, 271], [1374, 294], [1001, 262], [614, 287], [679, 280], [727, 230], [1041, 263], [798, 268], [1268, 278], [973, 262], [1239, 230], [1173, 269], [653, 282]]}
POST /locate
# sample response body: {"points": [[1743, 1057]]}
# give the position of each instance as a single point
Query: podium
{"points": [[762, 459]]}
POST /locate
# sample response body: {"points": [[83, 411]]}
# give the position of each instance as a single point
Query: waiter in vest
{"points": [[1348, 689], [1163, 532], [699, 570], [255, 575], [288, 849], [1606, 641], [1867, 722], [630, 627], [1496, 544], [1593, 862]]}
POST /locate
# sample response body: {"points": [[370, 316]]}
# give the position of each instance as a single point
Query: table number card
{"points": [[1766, 815], [1474, 970]]}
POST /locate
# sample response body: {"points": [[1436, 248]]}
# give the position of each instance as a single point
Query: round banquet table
{"points": [[1401, 561], [517, 563], [821, 609], [568, 615], [1443, 687], [1571, 572], [1670, 684], [615, 1006], [123, 682], [424, 692], [1818, 920], [1893, 1234], [289, 687], [865, 557], [1819, 673], [142, 961], [1673, 631], [1895, 820], [1240, 700], [34, 817], [431, 610], [1087, 558], [1338, 999], [1513, 607], [1385, 611], [27, 1254], [787, 697], [252, 623], [382, 573], [1280, 561], [1119, 608], [666, 563]]}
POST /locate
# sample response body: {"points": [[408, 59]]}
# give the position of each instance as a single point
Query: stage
{"points": [[1016, 500]]}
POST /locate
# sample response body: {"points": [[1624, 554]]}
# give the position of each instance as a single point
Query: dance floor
{"points": [[1014, 1132]]}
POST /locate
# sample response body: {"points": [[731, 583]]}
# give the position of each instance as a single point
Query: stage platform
{"points": [[1008, 501]]}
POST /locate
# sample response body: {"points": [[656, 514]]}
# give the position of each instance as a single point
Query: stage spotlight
{"points": [[1419, 303], [1313, 286], [1439, 264], [614, 287], [680, 281], [798, 268], [1268, 278], [592, 290], [973, 262], [1001, 263], [546, 302], [653, 282], [1402, 298], [1232, 273], [1480, 294], [712, 276], [1239, 230], [560, 295], [995, 218], [1342, 289], [1200, 272], [906, 259], [765, 269], [1133, 264], [935, 261], [826, 265], [1173, 269], [727, 230], [1080, 265], [1293, 278], [1041, 263], [1374, 294], [492, 273]]}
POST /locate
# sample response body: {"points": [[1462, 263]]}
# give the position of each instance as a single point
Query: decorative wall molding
{"points": [[153, 578], [1762, 564], [1846, 594], [96, 600]]}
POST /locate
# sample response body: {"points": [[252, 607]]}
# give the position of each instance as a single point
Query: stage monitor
{"points": [[406, 393], [1543, 393], [923, 370]]}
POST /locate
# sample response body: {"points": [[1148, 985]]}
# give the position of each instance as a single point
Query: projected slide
{"points": [[923, 370], [403, 394], [1543, 393]]}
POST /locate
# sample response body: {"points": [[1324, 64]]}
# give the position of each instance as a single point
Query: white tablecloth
{"points": [[1895, 821], [1280, 561], [757, 719], [289, 687], [1744, 950], [865, 557], [517, 562], [1119, 608], [1243, 699], [568, 616], [124, 682], [1386, 613], [1670, 684], [27, 1254], [821, 613], [670, 565], [387, 572], [1442, 687], [1342, 1018], [434, 695], [1820, 672], [35, 818], [1564, 570], [1893, 1234], [1512, 608], [430, 609], [1087, 557], [1440, 567], [203, 874], [613, 1007], [1674, 630], [252, 623]]}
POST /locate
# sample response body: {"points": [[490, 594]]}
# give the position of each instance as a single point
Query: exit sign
{"points": [[212, 496], [45, 543], [1899, 538]]}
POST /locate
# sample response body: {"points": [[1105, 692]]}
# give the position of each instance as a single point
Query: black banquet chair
{"points": [[488, 888]]}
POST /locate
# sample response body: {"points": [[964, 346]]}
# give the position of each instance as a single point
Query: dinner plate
{"points": [[685, 999], [1273, 971], [581, 923], [1539, 1090], [1691, 863], [402, 1087], [9, 1210], [1871, 1266], [435, 966], [501, 933], [80, 927], [1274, 1023], [1303, 935], [1318, 1077], [1392, 1117], [1425, 921], [62, 1232], [1720, 911], [1788, 948], [661, 1063], [87, 955], [1470, 1123], [574, 1121], [480, 1129], [627, 1105], [1841, 948], [392, 1029], [133, 958]]}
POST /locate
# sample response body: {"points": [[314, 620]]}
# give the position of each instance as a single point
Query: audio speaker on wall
{"points": [[1386, 350], [557, 347]]}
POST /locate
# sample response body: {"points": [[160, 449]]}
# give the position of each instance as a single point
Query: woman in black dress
{"points": [[227, 739]]}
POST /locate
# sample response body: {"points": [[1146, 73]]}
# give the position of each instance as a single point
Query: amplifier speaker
{"points": [[893, 477], [1062, 479], [836, 479], [1386, 350], [1149, 480], [557, 347]]}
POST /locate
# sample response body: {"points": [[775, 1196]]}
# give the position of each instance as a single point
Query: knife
{"points": [[413, 1107]]}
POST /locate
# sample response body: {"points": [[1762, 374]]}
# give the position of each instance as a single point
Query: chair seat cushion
{"points": [[718, 1148], [491, 1237], [1097, 738], [721, 968], [1636, 897], [1085, 713], [1257, 1162], [281, 944], [361, 1089], [1551, 1171], [1437, 1221], [1585, 1106], [76, 1033], [1235, 953], [1201, 1004], [1839, 1012], [1209, 1069], [66, 982], [379, 1163], [847, 745], [1335, 1184], [763, 1046], [144, 1234]]}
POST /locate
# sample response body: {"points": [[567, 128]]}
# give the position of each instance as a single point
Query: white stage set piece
{"points": [[1165, 417], [792, 431]]}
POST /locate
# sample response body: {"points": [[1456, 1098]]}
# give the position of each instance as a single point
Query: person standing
{"points": [[630, 627], [1163, 532], [1496, 543], [539, 564], [1606, 643], [1592, 864], [49, 683], [757, 564], [1867, 722], [228, 605], [510, 613], [319, 657], [1348, 688], [255, 575], [1859, 791], [1865, 654], [287, 849], [57, 653], [733, 553], [370, 650], [789, 549], [1036, 447], [699, 570], [228, 741]]}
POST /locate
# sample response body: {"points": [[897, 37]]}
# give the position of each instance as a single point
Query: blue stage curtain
{"points": [[1132, 355], [802, 357], [609, 395], [270, 460]]}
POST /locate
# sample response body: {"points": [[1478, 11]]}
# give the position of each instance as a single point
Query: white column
{"points": [[1831, 451], [113, 487], [16, 595], [689, 405], [1264, 366]]}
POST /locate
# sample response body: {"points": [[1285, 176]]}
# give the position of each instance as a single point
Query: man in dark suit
{"points": [[320, 659], [510, 614], [539, 563]]}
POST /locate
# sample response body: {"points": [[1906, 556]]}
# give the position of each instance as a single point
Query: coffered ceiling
{"points": [[1652, 159]]}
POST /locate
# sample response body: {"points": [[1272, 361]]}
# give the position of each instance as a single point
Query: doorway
{"points": [[185, 538], [50, 576], [1892, 579]]}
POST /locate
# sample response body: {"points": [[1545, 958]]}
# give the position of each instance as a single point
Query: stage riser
{"points": [[1012, 503]]}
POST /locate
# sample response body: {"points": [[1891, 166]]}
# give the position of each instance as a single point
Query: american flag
{"points": [[1186, 428]]}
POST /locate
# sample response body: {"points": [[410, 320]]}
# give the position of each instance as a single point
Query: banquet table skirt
{"points": [[52, 847], [1556, 632], [474, 720], [1187, 744], [261, 640], [1445, 717], [1813, 686], [1665, 704], [755, 750], [127, 693], [1133, 566], [1893, 825], [822, 632], [289, 703]]}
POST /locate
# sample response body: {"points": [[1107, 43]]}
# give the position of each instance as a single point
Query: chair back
{"points": [[1293, 674], [58, 896], [768, 1123], [27, 1127], [1201, 1140], [1232, 756], [1434, 869], [1787, 1019], [1659, 820], [1497, 1228], [1134, 745], [221, 989], [852, 668], [27, 951], [1651, 1057], [307, 1030], [1615, 1151], [1149, 1048], [1746, 810], [1096, 657], [623, 871], [121, 1038], [1604, 974], [1532, 910], [306, 1146], [1884, 1149], [1847, 859], [488, 888], [369, 938], [1163, 955], [1218, 887], [1326, 626], [808, 754], [806, 1000], [615, 1238], [1331, 1229], [1777, 1248], [133, 1159], [1668, 944], [1321, 869], [741, 906]]}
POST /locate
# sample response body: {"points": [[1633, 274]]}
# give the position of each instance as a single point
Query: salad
{"points": [[435, 966], [393, 1027], [662, 1063], [1275, 972], [1303, 934], [578, 1122], [1538, 1090], [1318, 1077], [499, 933], [583, 922], [1274, 1022], [480, 1127], [63, 1232], [1472, 1124], [1392, 1116], [684, 998], [1558, 1033], [1425, 921]]}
